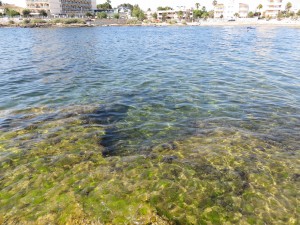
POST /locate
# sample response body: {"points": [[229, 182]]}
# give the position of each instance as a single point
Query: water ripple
{"points": [[167, 78]]}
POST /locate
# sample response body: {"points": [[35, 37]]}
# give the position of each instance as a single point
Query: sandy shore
{"points": [[289, 23]]}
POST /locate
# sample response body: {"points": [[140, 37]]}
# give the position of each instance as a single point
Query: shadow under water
{"points": [[109, 117]]}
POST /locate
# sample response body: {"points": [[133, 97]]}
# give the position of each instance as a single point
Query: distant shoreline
{"points": [[256, 23]]}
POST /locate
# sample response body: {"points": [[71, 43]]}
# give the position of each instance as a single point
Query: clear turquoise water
{"points": [[147, 86], [167, 80]]}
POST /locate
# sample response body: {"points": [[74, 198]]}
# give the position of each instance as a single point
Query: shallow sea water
{"points": [[147, 125]]}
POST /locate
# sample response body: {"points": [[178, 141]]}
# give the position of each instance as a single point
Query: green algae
{"points": [[54, 173]]}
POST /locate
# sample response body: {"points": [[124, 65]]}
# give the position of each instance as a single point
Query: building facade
{"points": [[230, 9], [62, 7], [219, 11], [243, 10], [179, 14], [273, 7]]}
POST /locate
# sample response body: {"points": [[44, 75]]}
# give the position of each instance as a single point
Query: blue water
{"points": [[156, 84]]}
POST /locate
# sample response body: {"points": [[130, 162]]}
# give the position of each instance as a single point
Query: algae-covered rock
{"points": [[54, 172]]}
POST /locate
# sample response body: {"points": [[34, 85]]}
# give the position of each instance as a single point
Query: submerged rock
{"points": [[169, 159], [217, 178]]}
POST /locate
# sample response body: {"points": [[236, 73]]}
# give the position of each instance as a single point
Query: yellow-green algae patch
{"points": [[54, 173]]}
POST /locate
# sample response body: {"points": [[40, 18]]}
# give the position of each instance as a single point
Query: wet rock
{"points": [[145, 149], [86, 191], [132, 158], [7, 163], [106, 152], [242, 174], [169, 159], [260, 148], [169, 146], [152, 156], [166, 146], [296, 177], [245, 185], [86, 155], [253, 157]]}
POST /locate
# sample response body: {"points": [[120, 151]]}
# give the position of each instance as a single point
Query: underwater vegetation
{"points": [[65, 168]]}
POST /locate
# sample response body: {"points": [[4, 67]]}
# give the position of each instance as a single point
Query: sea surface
{"points": [[141, 125]]}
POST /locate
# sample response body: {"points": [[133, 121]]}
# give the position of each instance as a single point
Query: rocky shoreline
{"points": [[83, 23], [41, 25]]}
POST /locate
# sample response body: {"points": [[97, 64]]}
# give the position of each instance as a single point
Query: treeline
{"points": [[135, 10], [25, 12]]}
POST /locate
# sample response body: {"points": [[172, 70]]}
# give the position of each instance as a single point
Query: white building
{"points": [[62, 7], [219, 11], [178, 14], [243, 10], [124, 12], [230, 8], [273, 7]]}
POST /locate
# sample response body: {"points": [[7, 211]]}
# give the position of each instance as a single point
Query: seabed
{"points": [[55, 171]]}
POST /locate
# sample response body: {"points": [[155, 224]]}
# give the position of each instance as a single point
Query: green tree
{"points": [[154, 15], [298, 13], [26, 12], [102, 15], [292, 14], [250, 14], [211, 14], [160, 8], [288, 6], [126, 5], [280, 15], [88, 14], [11, 12], [215, 2], [237, 15], [180, 15], [1, 3], [204, 13], [138, 13], [197, 5], [43, 13], [259, 7], [105, 5], [197, 14], [117, 16]]}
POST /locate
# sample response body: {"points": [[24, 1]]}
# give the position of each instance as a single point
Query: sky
{"points": [[153, 4]]}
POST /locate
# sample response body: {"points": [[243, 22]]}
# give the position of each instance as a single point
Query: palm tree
{"points": [[26, 12], [197, 5], [154, 15], [43, 13], [259, 7], [214, 2], [288, 6]]}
